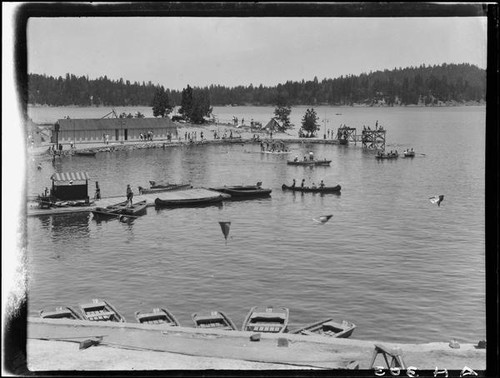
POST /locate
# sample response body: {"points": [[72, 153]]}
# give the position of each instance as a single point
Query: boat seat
{"points": [[105, 315]]}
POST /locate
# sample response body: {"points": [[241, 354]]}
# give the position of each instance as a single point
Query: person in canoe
{"points": [[130, 195], [313, 186], [296, 158], [293, 183], [302, 183], [321, 184]]}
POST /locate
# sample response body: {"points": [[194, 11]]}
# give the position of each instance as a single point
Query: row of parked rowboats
{"points": [[259, 319], [125, 211]]}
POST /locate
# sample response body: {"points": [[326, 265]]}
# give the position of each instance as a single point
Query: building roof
{"points": [[70, 176], [115, 123], [272, 124]]}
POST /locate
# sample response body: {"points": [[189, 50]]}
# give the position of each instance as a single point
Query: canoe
{"points": [[325, 189], [121, 210], [157, 316], [269, 320], [189, 202], [100, 311], [244, 191], [310, 162], [213, 319], [328, 328], [165, 188], [61, 313], [409, 154]]}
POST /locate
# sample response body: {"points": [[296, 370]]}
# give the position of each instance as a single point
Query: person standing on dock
{"points": [[97, 194], [130, 195]]}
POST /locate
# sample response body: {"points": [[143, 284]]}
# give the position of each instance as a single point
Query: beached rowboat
{"points": [[157, 316], [329, 328], [269, 320], [100, 311], [61, 313], [325, 189], [213, 319]]}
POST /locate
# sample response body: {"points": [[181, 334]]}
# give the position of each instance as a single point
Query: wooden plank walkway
{"points": [[195, 193]]}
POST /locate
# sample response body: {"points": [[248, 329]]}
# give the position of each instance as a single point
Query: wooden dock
{"points": [[195, 193]]}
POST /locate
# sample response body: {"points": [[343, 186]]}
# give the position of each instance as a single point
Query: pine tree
{"points": [[310, 122], [161, 104]]}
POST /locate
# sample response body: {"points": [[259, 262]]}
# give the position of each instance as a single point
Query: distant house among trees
{"points": [[117, 129]]}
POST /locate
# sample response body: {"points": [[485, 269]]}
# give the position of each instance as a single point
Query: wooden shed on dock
{"points": [[116, 129], [70, 186]]}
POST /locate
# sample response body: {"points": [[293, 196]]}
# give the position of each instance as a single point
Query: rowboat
{"points": [[121, 210], [100, 311], [409, 154], [268, 320], [329, 328], [157, 316], [85, 153], [165, 188], [213, 319], [306, 189], [309, 162], [61, 313], [189, 202], [276, 152], [244, 191], [382, 156]]}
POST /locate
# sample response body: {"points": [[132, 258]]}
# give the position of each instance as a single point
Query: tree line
{"points": [[424, 85]]}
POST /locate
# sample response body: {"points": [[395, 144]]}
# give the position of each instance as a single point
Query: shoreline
{"points": [[53, 344]]}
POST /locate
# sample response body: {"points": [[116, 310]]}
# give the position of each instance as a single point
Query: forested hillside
{"points": [[429, 85]]}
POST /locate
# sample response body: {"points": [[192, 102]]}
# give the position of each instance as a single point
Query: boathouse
{"points": [[112, 129]]}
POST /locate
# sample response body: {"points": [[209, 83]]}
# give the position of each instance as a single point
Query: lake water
{"points": [[399, 267]]}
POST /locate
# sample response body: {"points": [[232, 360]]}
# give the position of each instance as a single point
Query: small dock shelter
{"points": [[112, 129], [273, 125], [70, 186]]}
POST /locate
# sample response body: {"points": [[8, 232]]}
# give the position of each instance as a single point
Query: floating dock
{"points": [[196, 193]]}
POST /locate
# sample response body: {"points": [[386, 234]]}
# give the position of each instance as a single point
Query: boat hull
{"points": [[157, 316], [159, 189], [213, 320], [326, 189], [61, 313], [328, 328], [266, 320], [250, 191], [309, 163], [100, 311], [191, 202]]}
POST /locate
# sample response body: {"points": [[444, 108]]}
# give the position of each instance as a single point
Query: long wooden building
{"points": [[115, 129]]}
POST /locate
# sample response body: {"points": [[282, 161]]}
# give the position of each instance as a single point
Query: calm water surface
{"points": [[401, 268]]}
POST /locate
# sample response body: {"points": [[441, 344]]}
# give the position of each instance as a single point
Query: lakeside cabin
{"points": [[116, 129]]}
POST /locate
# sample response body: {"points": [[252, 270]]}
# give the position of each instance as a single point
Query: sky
{"points": [[177, 51]]}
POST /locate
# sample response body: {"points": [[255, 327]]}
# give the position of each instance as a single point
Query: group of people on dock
{"points": [[377, 127]]}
